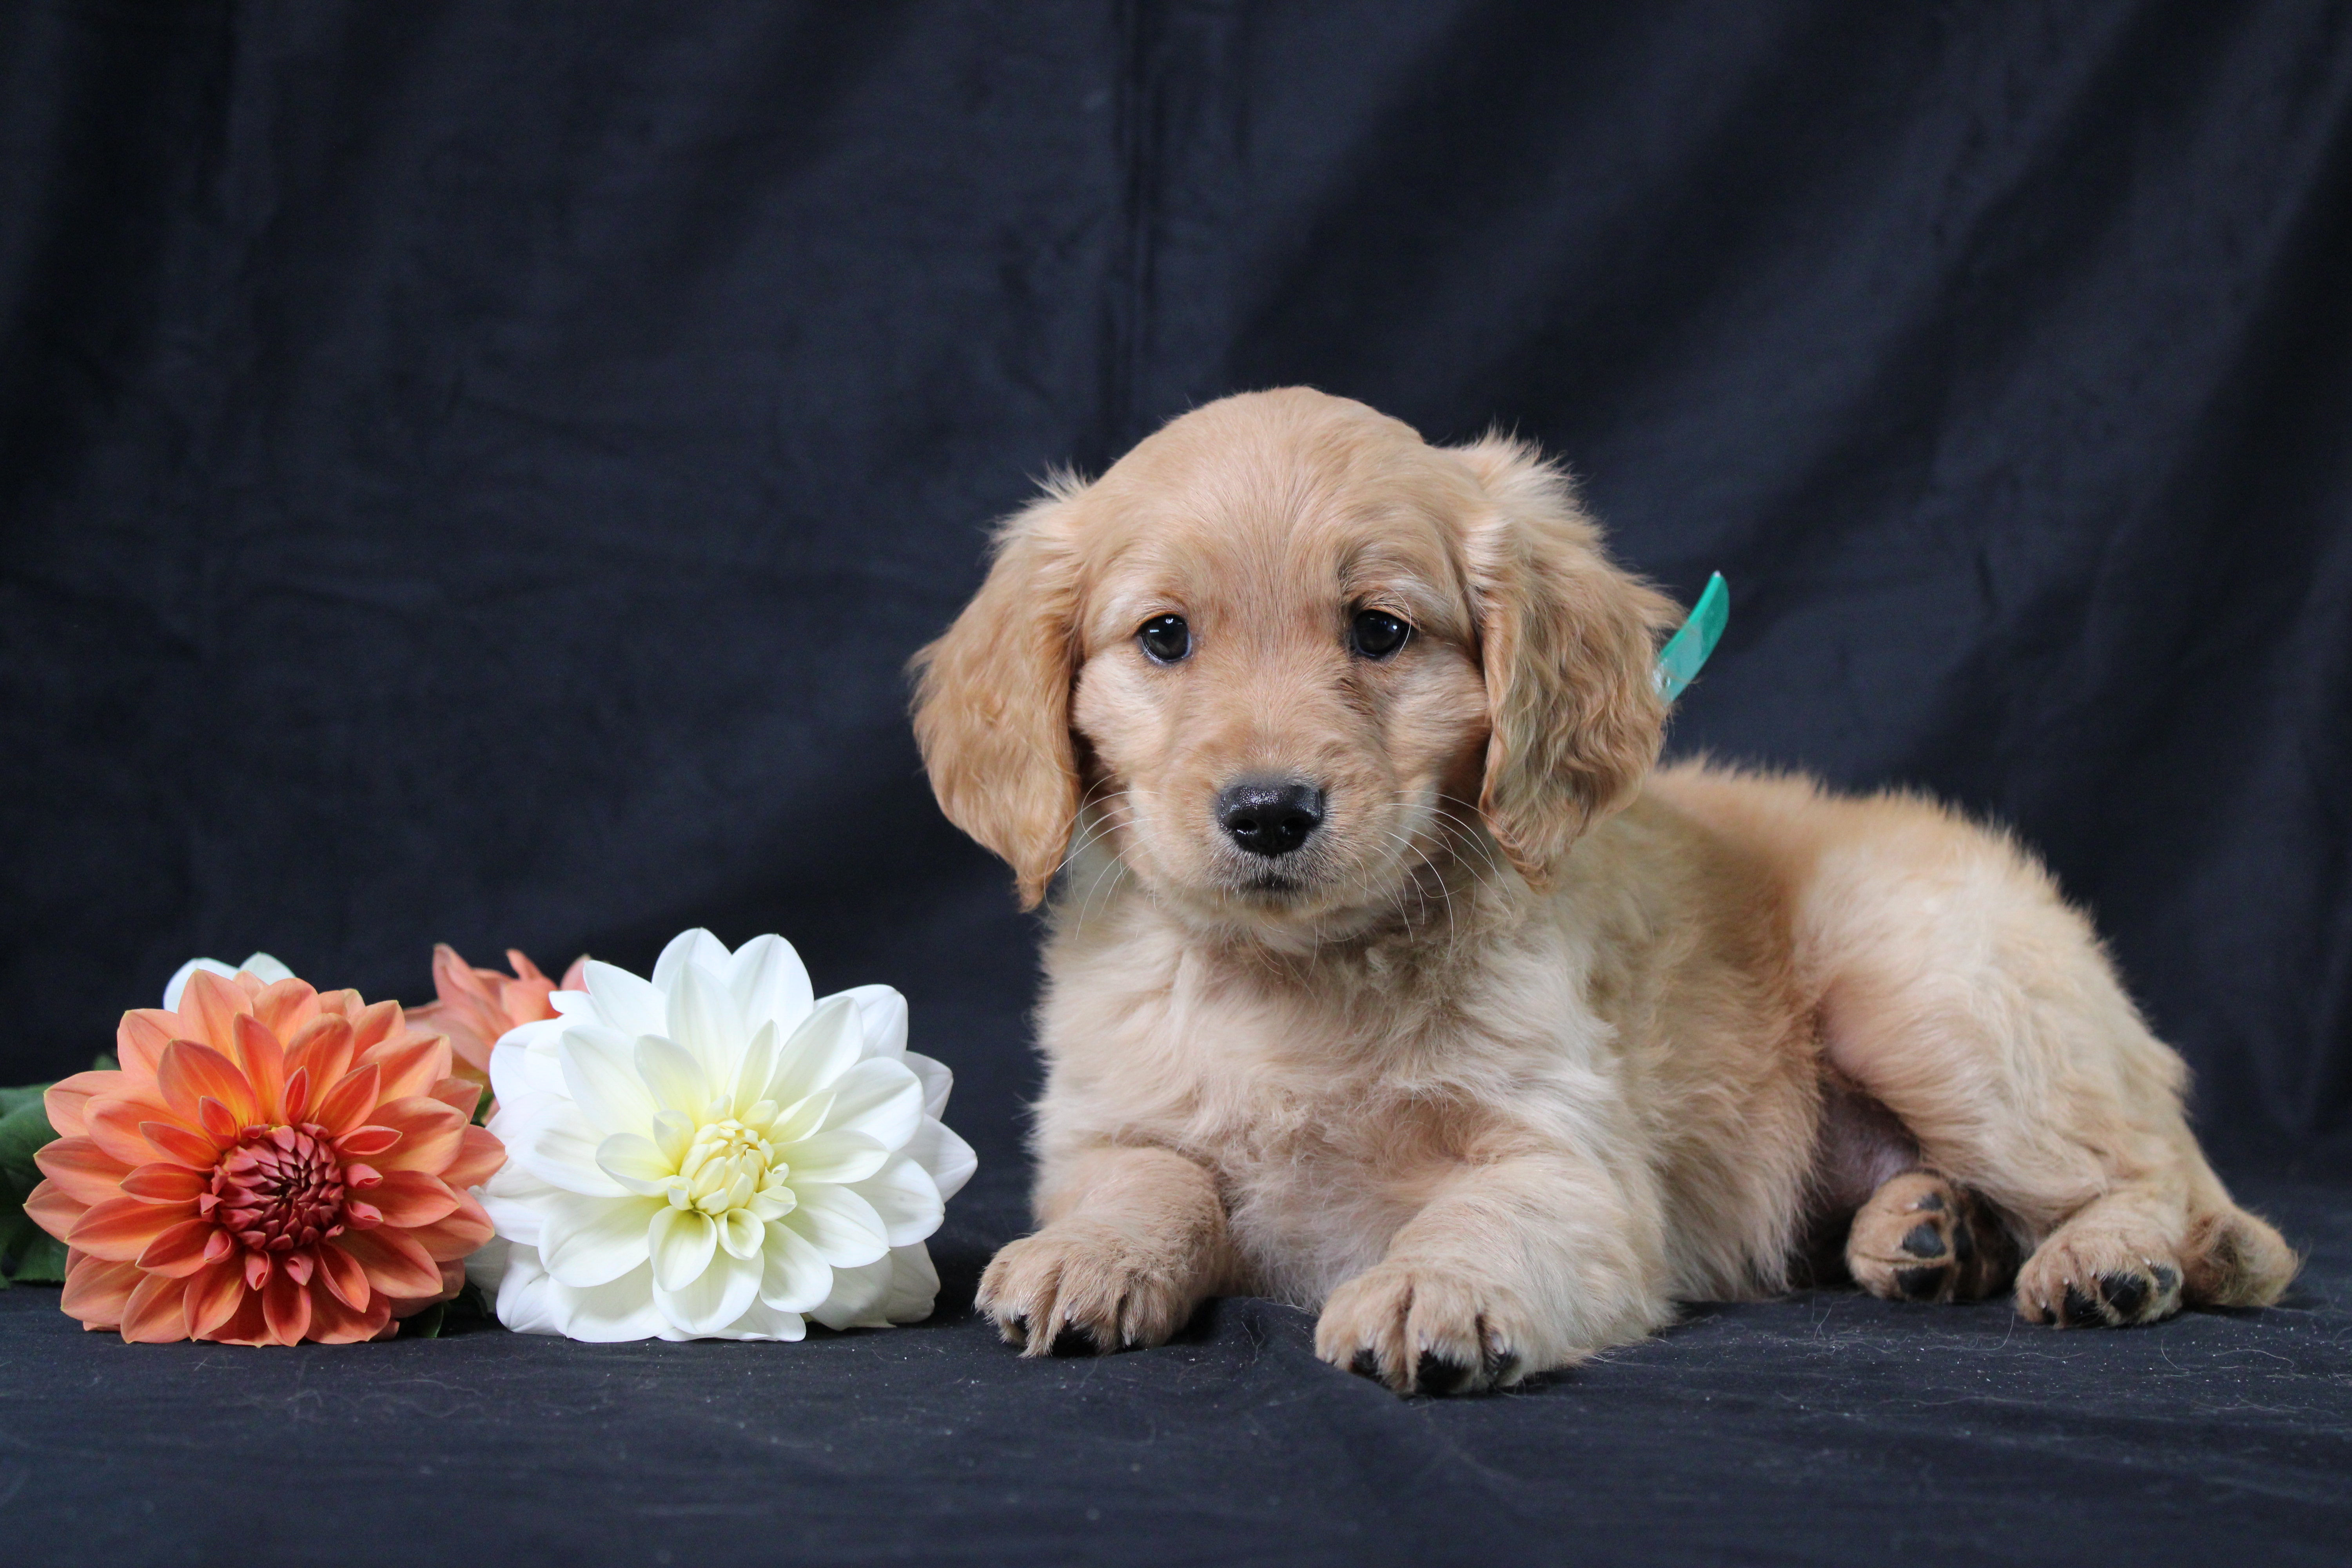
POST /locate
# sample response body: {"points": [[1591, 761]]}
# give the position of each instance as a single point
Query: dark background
{"points": [[476, 473]]}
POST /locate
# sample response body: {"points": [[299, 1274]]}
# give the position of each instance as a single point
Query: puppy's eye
{"points": [[1376, 634], [1165, 637]]}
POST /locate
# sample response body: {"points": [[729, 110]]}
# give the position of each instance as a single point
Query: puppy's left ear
{"points": [[1567, 640]]}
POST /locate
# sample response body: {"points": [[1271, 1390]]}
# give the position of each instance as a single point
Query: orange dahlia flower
{"points": [[271, 1163], [475, 1006]]}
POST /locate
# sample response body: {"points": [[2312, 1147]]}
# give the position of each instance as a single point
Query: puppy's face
{"points": [[1278, 698], [1284, 658]]}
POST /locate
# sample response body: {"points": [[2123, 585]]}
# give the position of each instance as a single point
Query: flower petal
{"points": [[286, 1307], [906, 1199], [857, 1296], [188, 1071], [935, 1079], [625, 1001], [412, 1066], [431, 1134], [770, 984], [675, 1076], [266, 969], [343, 1276], [819, 1051], [704, 1019], [712, 1298], [696, 946], [587, 1242], [635, 1163], [322, 1048], [914, 1285], [396, 1264], [681, 1244], [54, 1209], [183, 1250], [457, 1232], [263, 1060], [881, 1019], [795, 1276], [556, 1144], [155, 1313], [140, 1037], [98, 1291], [762, 1321], [616, 1313], [208, 1005], [64, 1100], [880, 1097], [833, 1158], [749, 1083], [81, 1169], [411, 1198], [285, 1007], [599, 1070], [120, 1228], [479, 1154], [162, 1181], [349, 1101], [840, 1225], [739, 1235], [213, 1294], [948, 1159]]}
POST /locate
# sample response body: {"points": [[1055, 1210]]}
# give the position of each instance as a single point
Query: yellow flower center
{"points": [[726, 1167]]}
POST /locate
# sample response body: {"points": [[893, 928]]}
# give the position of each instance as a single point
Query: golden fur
{"points": [[1529, 1041]]}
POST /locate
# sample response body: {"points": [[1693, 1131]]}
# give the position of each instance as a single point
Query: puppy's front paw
{"points": [[2090, 1276], [1077, 1286], [1420, 1331]]}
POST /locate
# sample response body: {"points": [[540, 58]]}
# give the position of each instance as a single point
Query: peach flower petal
{"points": [[211, 1005], [411, 1198], [395, 1264], [156, 1313], [286, 1307], [140, 1038], [450, 1240], [181, 1250], [479, 1157], [81, 1169], [263, 1058], [411, 1065], [215, 1293], [343, 1276], [164, 1182], [347, 1104], [120, 1228], [67, 1099], [54, 1209], [197, 1151], [285, 1007], [97, 1291], [376, 1023], [431, 1134], [191, 1073], [322, 1049]]}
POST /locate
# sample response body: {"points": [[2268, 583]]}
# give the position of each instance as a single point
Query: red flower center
{"points": [[280, 1189]]}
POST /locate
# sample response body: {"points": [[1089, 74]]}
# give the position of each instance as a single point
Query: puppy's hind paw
{"points": [[1922, 1238]]}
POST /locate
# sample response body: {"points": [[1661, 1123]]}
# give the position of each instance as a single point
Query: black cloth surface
{"points": [[476, 473], [1824, 1428]]}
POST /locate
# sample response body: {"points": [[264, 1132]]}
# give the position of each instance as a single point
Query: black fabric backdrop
{"points": [[476, 473]]}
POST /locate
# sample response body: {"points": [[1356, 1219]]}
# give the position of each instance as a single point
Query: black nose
{"points": [[1270, 819]]}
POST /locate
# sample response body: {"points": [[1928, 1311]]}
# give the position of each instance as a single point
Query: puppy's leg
{"points": [[1519, 1265], [1965, 996], [1135, 1239]]}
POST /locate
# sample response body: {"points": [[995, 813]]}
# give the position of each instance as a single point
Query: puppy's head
{"points": [[1284, 656]]}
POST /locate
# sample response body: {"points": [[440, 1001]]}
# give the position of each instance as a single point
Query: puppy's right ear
{"points": [[992, 698]]}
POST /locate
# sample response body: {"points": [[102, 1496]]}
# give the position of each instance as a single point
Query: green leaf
{"points": [[23, 1130], [12, 1099], [43, 1262], [426, 1324]]}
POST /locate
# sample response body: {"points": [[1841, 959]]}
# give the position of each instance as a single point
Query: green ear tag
{"points": [[1685, 652]]}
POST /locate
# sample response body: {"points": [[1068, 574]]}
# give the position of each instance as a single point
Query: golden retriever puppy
{"points": [[1387, 975]]}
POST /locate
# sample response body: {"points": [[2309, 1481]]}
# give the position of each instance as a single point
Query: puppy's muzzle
{"points": [[1270, 818]]}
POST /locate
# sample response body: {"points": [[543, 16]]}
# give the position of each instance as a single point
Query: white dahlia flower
{"points": [[713, 1153]]}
